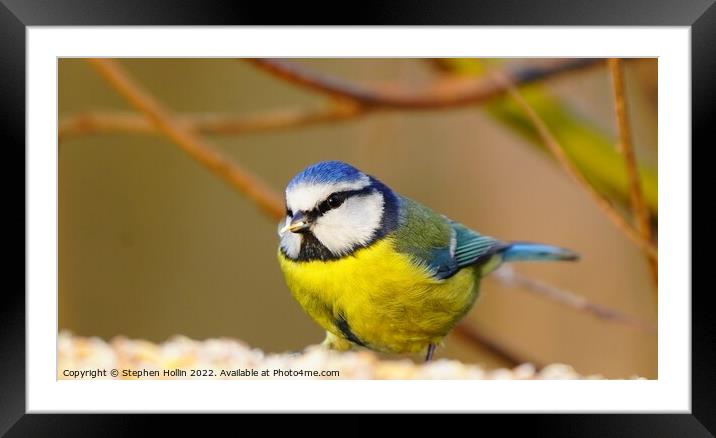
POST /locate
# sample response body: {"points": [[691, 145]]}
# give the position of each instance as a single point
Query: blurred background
{"points": [[151, 244]]}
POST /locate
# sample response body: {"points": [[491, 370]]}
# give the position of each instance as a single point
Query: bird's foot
{"points": [[431, 350]]}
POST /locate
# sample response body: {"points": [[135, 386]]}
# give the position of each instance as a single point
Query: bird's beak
{"points": [[298, 223]]}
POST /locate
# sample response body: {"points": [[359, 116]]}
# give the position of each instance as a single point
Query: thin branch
{"points": [[509, 277], [238, 177], [347, 106], [556, 149], [639, 209], [215, 124], [457, 92], [477, 337]]}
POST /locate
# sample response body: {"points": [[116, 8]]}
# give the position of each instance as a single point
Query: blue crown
{"points": [[326, 172]]}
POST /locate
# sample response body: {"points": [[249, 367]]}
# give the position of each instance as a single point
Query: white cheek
{"points": [[290, 242], [353, 223]]}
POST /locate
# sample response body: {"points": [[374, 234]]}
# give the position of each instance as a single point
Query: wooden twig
{"points": [[556, 149], [475, 336], [214, 124], [457, 92], [352, 101], [509, 277], [241, 179], [639, 209]]}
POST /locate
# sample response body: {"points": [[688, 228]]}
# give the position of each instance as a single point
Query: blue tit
{"points": [[378, 270]]}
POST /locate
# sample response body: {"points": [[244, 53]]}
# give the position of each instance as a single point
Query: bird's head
{"points": [[333, 209]]}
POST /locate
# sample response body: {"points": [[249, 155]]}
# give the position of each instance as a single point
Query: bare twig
{"points": [[475, 336], [239, 178], [216, 124], [638, 206], [556, 149], [352, 101], [509, 277], [458, 92]]}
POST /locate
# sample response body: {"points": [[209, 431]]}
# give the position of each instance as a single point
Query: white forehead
{"points": [[305, 196]]}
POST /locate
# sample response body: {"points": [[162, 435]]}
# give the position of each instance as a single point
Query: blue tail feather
{"points": [[526, 251]]}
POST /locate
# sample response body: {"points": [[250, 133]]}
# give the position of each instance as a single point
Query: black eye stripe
{"points": [[336, 199]]}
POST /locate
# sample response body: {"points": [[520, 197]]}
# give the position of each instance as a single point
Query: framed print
{"points": [[227, 216]]}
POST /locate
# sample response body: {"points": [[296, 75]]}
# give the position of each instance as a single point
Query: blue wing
{"points": [[435, 241], [472, 247], [466, 248]]}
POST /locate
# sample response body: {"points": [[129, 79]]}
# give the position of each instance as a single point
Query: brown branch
{"points": [[639, 209], [347, 106], [509, 277], [239, 178], [215, 124], [556, 149], [477, 337], [457, 92]]}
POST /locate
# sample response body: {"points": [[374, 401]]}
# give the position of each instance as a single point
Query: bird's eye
{"points": [[289, 212], [334, 201]]}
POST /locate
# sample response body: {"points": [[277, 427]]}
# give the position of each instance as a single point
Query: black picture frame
{"points": [[16, 15]]}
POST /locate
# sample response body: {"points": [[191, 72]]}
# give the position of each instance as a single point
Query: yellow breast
{"points": [[381, 296]]}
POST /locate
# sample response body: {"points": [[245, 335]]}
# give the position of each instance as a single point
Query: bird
{"points": [[378, 270]]}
